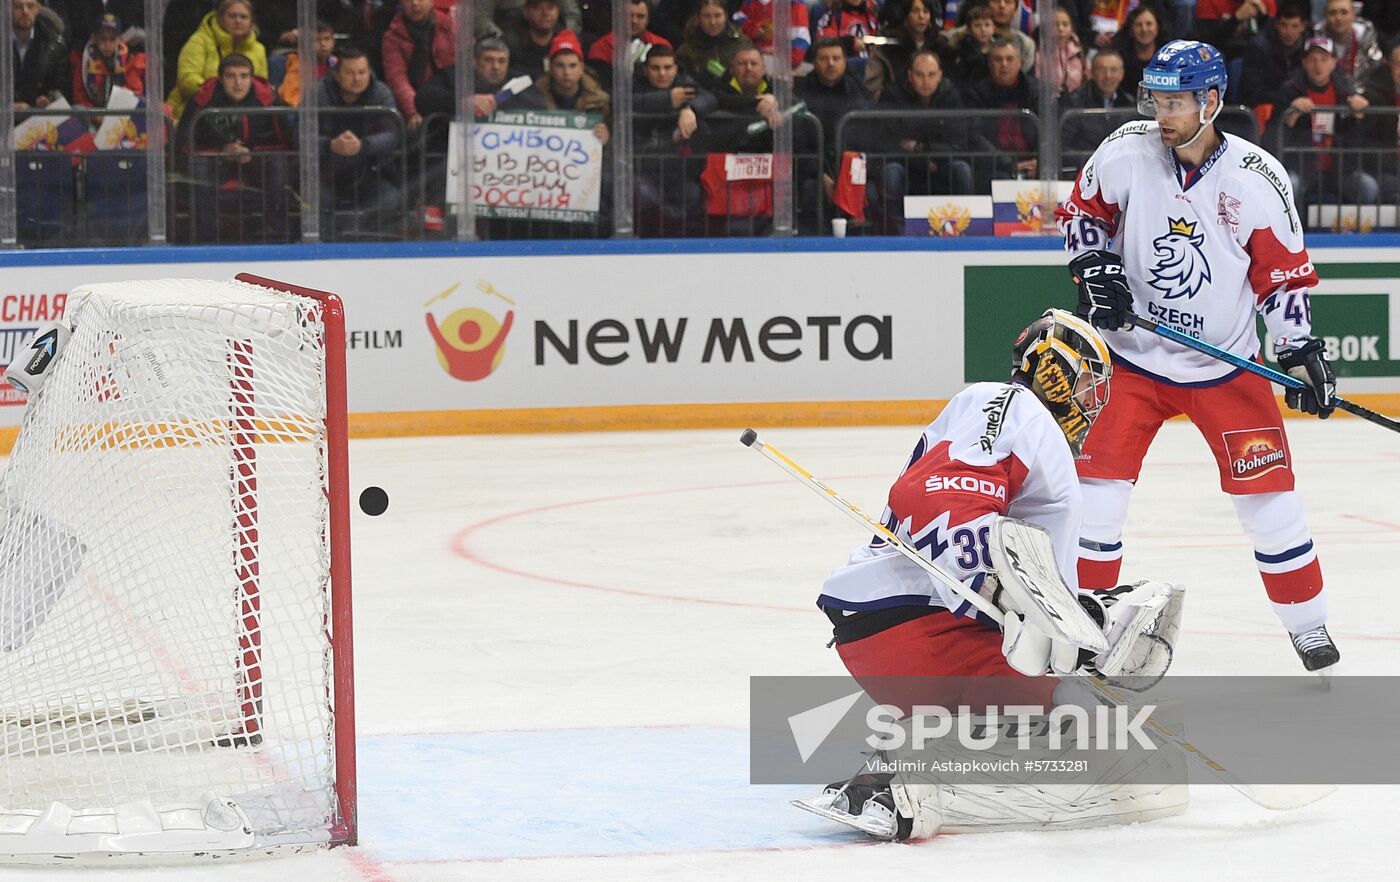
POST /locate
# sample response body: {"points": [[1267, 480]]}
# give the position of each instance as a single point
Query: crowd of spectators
{"points": [[702, 73]]}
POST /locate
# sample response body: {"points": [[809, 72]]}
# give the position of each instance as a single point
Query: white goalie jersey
{"points": [[994, 450], [1204, 248]]}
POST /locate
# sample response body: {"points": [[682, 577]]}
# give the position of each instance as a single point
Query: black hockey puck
{"points": [[374, 501], [747, 437]]}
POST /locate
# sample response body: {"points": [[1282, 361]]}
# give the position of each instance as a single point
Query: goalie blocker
{"points": [[1047, 624]]}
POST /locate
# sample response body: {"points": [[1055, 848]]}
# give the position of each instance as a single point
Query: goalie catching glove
{"points": [[1048, 628], [1140, 623]]}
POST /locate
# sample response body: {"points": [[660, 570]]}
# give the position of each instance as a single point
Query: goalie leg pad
{"points": [[1140, 787], [917, 800]]}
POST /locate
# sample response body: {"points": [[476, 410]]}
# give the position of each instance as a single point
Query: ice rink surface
{"points": [[555, 633]]}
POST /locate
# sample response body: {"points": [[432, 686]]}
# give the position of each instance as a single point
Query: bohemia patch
{"points": [[1255, 452]]}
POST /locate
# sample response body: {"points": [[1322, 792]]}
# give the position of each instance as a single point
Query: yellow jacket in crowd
{"points": [[200, 57]]}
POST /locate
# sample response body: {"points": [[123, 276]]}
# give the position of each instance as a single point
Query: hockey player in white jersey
{"points": [[997, 449], [1176, 221]]}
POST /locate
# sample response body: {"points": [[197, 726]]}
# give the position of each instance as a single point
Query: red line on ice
{"points": [[858, 843], [369, 869], [461, 546]]}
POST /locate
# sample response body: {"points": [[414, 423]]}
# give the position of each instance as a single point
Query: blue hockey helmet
{"points": [[1184, 66]]}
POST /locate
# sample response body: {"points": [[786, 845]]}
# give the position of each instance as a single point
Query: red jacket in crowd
{"points": [[213, 132], [398, 49], [90, 75]]}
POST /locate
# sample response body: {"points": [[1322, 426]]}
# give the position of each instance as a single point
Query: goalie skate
{"points": [[875, 814]]}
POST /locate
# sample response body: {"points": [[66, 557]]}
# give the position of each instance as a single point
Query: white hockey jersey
{"points": [[994, 450], [1204, 248]]}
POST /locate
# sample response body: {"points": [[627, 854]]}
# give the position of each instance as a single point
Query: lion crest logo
{"points": [[1180, 268], [948, 220]]}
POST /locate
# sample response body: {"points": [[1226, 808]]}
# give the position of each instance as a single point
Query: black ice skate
{"points": [[1316, 648], [865, 803], [850, 796]]}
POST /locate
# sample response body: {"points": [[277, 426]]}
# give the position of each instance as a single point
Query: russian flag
{"points": [[950, 15], [948, 216], [1018, 207], [1028, 19], [75, 136], [122, 132]]}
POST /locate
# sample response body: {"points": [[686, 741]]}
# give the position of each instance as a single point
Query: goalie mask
{"points": [[1065, 362]]}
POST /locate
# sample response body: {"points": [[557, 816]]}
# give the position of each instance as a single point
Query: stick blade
{"points": [[748, 437], [1286, 797]]}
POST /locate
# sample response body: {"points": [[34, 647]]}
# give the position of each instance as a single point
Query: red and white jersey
{"points": [[994, 450], [1204, 248]]}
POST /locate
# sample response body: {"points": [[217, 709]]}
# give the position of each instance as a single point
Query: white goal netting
{"points": [[165, 663]]}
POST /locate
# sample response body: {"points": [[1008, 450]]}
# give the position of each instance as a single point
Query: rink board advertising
{"points": [[505, 343]]}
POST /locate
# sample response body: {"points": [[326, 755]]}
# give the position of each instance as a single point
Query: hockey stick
{"points": [[1268, 373], [1278, 797], [749, 439], [131, 724]]}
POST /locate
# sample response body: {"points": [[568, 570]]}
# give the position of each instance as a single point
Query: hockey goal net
{"points": [[175, 664]]}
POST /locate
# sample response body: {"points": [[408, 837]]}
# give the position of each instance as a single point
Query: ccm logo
{"points": [[1108, 269], [966, 484], [1279, 275]]}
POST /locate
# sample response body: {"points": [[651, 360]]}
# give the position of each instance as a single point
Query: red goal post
{"points": [[346, 830]]}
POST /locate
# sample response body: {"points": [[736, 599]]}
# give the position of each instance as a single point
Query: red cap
{"points": [[565, 41]]}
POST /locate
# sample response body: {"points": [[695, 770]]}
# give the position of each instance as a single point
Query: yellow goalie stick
{"points": [[1069, 622], [1278, 797]]}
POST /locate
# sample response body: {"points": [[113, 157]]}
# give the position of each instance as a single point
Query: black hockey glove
{"points": [[1104, 298], [1308, 363]]}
